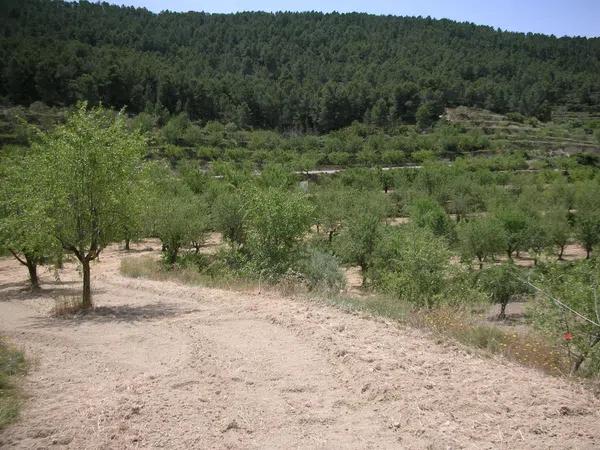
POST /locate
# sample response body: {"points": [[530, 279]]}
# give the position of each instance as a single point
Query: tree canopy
{"points": [[300, 71]]}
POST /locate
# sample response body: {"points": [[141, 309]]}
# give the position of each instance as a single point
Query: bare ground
{"points": [[159, 364]]}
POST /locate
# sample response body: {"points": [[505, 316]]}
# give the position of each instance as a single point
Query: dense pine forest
{"points": [[286, 71]]}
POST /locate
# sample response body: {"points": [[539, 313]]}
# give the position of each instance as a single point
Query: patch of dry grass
{"points": [[527, 348], [12, 366], [66, 306], [151, 268]]}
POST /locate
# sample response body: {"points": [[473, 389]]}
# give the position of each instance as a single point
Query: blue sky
{"points": [[558, 17]]}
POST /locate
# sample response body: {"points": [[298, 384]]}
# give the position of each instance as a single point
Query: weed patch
{"points": [[12, 366]]}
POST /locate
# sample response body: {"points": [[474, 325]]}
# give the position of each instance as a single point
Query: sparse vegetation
{"points": [[439, 176], [12, 366]]}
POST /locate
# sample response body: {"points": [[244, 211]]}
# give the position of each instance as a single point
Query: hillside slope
{"points": [[163, 365], [287, 70]]}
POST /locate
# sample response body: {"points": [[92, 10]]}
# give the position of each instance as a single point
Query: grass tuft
{"points": [[12, 366], [66, 306]]}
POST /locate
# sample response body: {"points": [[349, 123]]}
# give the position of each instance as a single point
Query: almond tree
{"points": [[84, 173], [25, 231]]}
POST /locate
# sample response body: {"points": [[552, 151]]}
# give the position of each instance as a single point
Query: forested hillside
{"points": [[301, 71]]}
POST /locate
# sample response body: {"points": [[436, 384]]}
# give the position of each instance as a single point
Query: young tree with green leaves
{"points": [[587, 217], [426, 212], [515, 224], [575, 321], [503, 283], [228, 213], [84, 172], [587, 230], [358, 239], [558, 229], [275, 224], [480, 238], [25, 230], [179, 221]]}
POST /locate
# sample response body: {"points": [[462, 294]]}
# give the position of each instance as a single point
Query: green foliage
{"points": [[587, 217], [177, 216], [275, 223], [322, 271], [228, 212], [515, 223], [558, 229], [25, 230], [277, 71], [577, 287], [427, 213], [480, 238], [362, 228], [412, 264], [84, 173], [503, 283]]}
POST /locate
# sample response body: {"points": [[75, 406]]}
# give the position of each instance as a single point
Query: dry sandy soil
{"points": [[159, 364]]}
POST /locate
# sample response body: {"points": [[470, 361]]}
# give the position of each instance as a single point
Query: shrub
{"points": [[322, 271], [12, 364], [357, 241], [503, 283], [414, 265], [276, 221], [480, 238], [426, 212], [576, 286]]}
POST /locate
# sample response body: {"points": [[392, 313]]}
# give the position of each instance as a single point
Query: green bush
{"points": [[576, 286], [503, 283], [414, 265], [322, 271], [12, 364], [275, 223]]}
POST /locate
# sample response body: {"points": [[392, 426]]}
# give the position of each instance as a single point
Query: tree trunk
{"points": [[502, 314], [363, 272], [33, 277], [561, 252], [577, 364], [87, 287], [127, 247], [480, 263], [587, 252]]}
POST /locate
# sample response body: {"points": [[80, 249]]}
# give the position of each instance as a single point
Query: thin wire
{"points": [[559, 303]]}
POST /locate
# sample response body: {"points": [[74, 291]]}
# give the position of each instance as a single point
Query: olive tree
{"points": [[84, 172]]}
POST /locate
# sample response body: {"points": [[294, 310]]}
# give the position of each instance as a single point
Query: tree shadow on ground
{"points": [[119, 313], [22, 291]]}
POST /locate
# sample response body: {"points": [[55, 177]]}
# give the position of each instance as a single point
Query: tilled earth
{"points": [[158, 364]]}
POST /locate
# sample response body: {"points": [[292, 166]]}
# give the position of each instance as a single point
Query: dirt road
{"points": [[164, 365]]}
